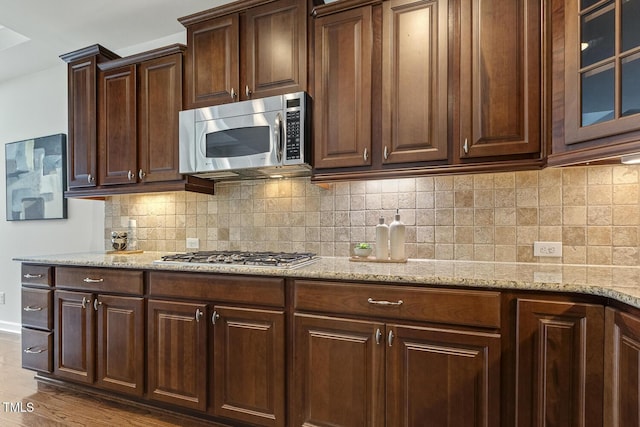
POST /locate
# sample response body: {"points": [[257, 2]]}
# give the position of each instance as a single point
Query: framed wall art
{"points": [[36, 178]]}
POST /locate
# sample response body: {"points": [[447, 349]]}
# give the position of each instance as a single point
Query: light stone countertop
{"points": [[619, 283]]}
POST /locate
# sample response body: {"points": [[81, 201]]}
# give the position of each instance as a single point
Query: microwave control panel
{"points": [[293, 135]]}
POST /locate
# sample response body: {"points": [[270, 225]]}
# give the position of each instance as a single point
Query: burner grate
{"points": [[267, 259]]}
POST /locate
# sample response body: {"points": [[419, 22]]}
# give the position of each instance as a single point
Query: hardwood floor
{"points": [[25, 402]]}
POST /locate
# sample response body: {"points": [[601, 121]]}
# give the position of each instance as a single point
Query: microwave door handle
{"points": [[278, 135]]}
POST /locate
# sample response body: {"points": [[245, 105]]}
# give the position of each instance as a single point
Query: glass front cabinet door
{"points": [[600, 72]]}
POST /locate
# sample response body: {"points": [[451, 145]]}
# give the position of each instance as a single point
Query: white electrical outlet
{"points": [[193, 243], [1, 297], [547, 249]]}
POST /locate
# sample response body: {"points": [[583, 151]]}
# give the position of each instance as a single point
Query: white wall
{"points": [[34, 106]]}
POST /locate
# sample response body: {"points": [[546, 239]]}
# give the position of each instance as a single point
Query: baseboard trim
{"points": [[10, 327]]}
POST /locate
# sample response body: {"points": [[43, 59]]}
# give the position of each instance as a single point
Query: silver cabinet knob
{"points": [[32, 308], [390, 338], [32, 276], [96, 303], [365, 155], [386, 152], [214, 317], [465, 146], [91, 179], [233, 93], [85, 301], [247, 91], [141, 174], [30, 350], [130, 176], [199, 314], [378, 336]]}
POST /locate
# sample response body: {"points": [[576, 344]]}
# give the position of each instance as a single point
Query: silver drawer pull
{"points": [[90, 280], [32, 308], [32, 276], [30, 350], [376, 302]]}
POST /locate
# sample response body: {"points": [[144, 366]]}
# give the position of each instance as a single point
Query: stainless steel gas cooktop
{"points": [[254, 259]]}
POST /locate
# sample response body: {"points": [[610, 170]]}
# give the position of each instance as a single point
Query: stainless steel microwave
{"points": [[248, 139]]}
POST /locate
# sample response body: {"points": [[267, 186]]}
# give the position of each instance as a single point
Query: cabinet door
{"points": [[177, 353], [248, 365], [414, 81], [160, 101], [338, 373], [559, 363], [500, 78], [83, 134], [117, 123], [451, 378], [342, 106], [74, 335], [120, 344], [275, 53], [601, 68], [212, 70], [622, 369]]}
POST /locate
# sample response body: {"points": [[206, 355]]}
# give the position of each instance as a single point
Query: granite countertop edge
{"points": [[616, 282]]}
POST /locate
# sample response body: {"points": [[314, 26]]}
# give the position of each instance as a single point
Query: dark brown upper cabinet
{"points": [[497, 80], [127, 111], [596, 95], [245, 50], [342, 102], [413, 87], [82, 104], [414, 81]]}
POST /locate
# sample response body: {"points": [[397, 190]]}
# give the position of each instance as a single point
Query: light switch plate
{"points": [[193, 243], [547, 249]]}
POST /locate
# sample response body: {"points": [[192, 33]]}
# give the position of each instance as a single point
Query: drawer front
{"points": [[220, 288], [37, 307], [452, 306], [36, 350], [100, 280], [40, 275]]}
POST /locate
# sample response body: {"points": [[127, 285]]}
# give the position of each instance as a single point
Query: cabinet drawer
{"points": [[37, 308], [36, 275], [36, 350], [219, 288], [452, 306], [100, 279]]}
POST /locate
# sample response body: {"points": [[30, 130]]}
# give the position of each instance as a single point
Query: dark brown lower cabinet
{"points": [[622, 369], [177, 353], [99, 339], [559, 363], [347, 371], [248, 381]]}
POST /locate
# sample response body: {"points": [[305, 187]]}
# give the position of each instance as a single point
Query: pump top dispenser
{"points": [[397, 238]]}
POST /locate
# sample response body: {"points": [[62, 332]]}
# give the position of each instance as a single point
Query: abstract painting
{"points": [[36, 178]]}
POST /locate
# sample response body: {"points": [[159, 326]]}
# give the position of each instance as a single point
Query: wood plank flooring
{"points": [[54, 406]]}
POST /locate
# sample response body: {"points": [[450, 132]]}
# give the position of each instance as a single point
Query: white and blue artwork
{"points": [[36, 178]]}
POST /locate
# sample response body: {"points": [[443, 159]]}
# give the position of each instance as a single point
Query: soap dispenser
{"points": [[397, 238], [382, 240]]}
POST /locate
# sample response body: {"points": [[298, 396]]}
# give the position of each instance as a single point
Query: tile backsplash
{"points": [[593, 210]]}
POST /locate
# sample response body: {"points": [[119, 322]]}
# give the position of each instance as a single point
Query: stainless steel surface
{"points": [[253, 259], [211, 143]]}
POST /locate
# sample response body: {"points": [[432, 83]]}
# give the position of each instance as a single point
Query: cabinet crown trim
{"points": [[86, 52], [143, 56], [216, 12]]}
